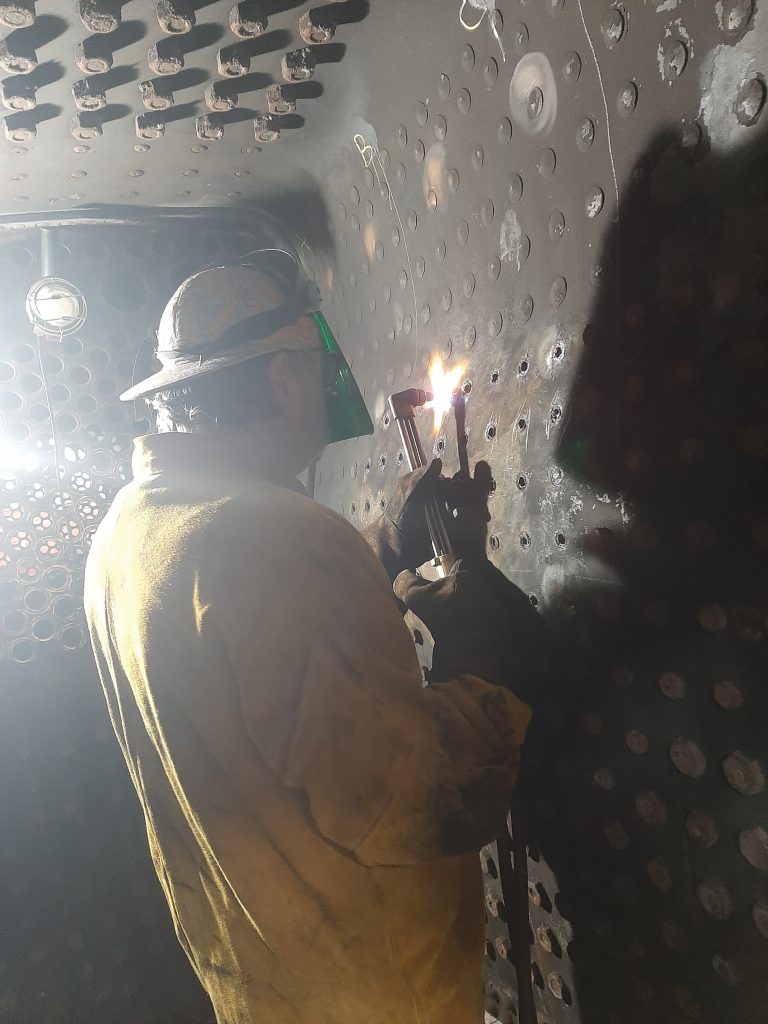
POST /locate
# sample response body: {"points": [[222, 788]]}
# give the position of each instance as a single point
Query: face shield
{"points": [[345, 408]]}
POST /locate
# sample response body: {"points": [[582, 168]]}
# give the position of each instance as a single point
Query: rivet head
{"points": [[701, 829], [626, 100], [490, 72], [440, 127], [743, 774], [467, 57], [688, 758], [422, 113], [547, 162], [585, 133], [571, 67], [715, 898], [520, 38], [443, 86], [463, 101], [674, 60], [734, 15], [750, 100], [753, 843], [612, 27], [595, 202]]}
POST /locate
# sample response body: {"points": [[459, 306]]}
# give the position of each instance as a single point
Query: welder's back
{"points": [[295, 776]]}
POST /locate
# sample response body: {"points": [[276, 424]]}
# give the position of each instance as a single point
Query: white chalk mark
{"points": [[371, 157], [605, 106], [486, 7]]}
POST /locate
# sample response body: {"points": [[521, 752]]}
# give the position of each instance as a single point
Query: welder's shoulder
{"points": [[273, 524]]}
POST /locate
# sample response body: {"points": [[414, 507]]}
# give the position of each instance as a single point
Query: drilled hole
{"points": [[556, 413], [522, 423], [490, 432], [382, 461], [494, 542], [525, 541], [495, 377], [560, 539], [352, 508], [534, 600], [522, 482], [467, 387], [440, 445], [558, 353], [523, 367]]}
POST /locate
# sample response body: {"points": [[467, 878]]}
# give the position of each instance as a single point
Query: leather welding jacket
{"points": [[303, 793]]}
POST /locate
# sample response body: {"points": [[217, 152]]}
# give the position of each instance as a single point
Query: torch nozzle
{"points": [[404, 403]]}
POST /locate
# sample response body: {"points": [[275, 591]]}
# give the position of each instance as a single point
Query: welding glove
{"points": [[467, 502], [481, 624], [400, 537]]}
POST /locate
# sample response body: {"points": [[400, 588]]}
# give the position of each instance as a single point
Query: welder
{"points": [[314, 812]]}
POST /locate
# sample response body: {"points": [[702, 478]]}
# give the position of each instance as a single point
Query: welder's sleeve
{"points": [[332, 697]]}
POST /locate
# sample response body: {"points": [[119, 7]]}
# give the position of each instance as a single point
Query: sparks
{"points": [[443, 384]]}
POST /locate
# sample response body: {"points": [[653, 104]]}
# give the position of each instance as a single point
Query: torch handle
{"points": [[416, 458]]}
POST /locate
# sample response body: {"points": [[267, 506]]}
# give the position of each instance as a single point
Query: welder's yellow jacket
{"points": [[298, 783]]}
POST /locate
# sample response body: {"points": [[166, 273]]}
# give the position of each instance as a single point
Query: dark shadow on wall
{"points": [[645, 778]]}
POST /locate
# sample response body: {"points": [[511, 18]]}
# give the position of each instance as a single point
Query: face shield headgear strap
{"points": [[346, 411]]}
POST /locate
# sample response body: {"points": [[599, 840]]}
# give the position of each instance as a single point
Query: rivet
{"points": [[165, 58], [547, 162], [672, 686], [520, 38], [494, 268], [715, 898], [585, 133], [626, 99], [140, 147], [556, 225], [248, 20], [734, 15], [728, 695], [750, 100], [571, 67], [674, 60], [478, 157], [594, 202], [515, 188], [17, 57], [688, 758], [486, 212], [18, 95], [20, 14], [100, 16], [314, 30], [155, 95], [504, 130], [753, 843], [440, 249], [462, 232], [612, 27], [298, 65], [148, 127], [557, 292], [440, 127], [470, 337], [726, 971], [490, 72], [467, 57], [85, 126], [651, 808], [422, 113], [701, 829], [760, 916], [219, 97], [743, 774], [418, 151], [616, 835], [468, 285], [463, 101], [495, 324], [231, 63], [278, 102], [198, 147], [535, 103]]}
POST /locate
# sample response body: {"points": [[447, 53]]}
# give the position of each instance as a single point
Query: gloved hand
{"points": [[400, 537], [482, 624], [467, 502]]}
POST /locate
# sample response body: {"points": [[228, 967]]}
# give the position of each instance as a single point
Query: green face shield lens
{"points": [[345, 407]]}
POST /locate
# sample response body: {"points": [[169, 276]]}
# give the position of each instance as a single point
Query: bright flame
{"points": [[442, 385]]}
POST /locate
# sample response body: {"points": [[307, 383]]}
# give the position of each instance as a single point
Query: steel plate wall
{"points": [[568, 198]]}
